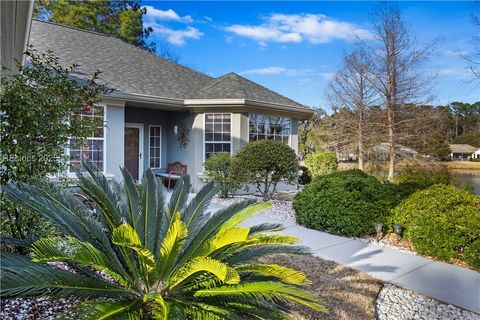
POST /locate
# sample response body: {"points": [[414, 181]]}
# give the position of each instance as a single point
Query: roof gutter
{"points": [[143, 98]]}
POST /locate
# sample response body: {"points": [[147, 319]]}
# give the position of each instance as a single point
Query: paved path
{"points": [[442, 281]]}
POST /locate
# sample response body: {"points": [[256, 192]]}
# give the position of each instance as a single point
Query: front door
{"points": [[133, 149]]}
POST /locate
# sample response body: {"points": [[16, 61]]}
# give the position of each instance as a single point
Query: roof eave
{"points": [[301, 113]]}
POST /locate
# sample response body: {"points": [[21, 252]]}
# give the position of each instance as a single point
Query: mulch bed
{"points": [[347, 293]]}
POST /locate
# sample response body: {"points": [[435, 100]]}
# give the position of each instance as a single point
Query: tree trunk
{"points": [[391, 141], [360, 141]]}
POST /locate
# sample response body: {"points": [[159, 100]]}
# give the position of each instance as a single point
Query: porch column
{"points": [[114, 138]]}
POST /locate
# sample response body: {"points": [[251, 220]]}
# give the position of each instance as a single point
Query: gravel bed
{"points": [[395, 303], [389, 242], [34, 308], [281, 210]]}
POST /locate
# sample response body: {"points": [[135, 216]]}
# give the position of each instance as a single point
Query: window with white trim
{"points": [[154, 146], [92, 149], [218, 133], [265, 127]]}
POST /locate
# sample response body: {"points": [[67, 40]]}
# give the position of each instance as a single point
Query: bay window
{"points": [[218, 133], [266, 127]]}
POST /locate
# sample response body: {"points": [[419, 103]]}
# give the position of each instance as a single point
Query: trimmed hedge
{"points": [[443, 222], [345, 203], [321, 163]]}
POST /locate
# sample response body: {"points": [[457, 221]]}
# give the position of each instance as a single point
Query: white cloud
{"points": [[295, 28], [177, 37], [276, 71], [457, 53], [155, 18], [167, 15]]}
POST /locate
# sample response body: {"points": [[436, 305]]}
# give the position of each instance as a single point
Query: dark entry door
{"points": [[132, 151]]}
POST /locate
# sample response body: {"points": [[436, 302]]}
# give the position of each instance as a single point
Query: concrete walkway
{"points": [[442, 281]]}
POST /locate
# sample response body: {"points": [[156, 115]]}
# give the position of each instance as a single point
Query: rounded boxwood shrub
{"points": [[442, 221], [321, 163], [264, 163], [345, 203], [218, 167]]}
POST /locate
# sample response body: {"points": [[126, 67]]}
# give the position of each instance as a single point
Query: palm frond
{"points": [[105, 196], [197, 265], [157, 305], [222, 239], [244, 214], [260, 291], [265, 227], [16, 241], [132, 197], [179, 196], [130, 309], [271, 239], [126, 236], [204, 311], [252, 253], [171, 246], [285, 274], [256, 311], [72, 250], [53, 204], [21, 277], [149, 220], [196, 238], [199, 203]]}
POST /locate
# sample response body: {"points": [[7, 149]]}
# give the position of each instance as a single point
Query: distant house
{"points": [[381, 151], [463, 152]]}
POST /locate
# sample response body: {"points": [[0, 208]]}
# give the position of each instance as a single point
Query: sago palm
{"points": [[135, 258]]}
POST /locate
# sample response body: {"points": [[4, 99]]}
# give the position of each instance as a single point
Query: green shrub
{"points": [[305, 177], [149, 260], [218, 167], [264, 163], [442, 221], [321, 163], [345, 203]]}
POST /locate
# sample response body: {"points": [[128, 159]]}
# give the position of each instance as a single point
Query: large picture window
{"points": [[218, 133], [264, 127], [92, 149], [155, 138]]}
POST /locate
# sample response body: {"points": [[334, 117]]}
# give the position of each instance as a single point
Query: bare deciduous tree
{"points": [[351, 91], [397, 72]]}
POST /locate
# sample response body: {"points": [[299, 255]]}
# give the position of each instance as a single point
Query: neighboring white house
{"points": [[463, 152]]}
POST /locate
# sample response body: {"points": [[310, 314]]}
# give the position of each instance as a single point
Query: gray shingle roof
{"points": [[462, 148], [128, 69]]}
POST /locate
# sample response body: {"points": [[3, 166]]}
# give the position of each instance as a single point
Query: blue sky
{"points": [[295, 47]]}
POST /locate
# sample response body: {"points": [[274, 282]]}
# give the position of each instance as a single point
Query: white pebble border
{"points": [[34, 308], [395, 303], [281, 210], [385, 243]]}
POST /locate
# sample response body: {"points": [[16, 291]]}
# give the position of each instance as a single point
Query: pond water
{"points": [[470, 179]]}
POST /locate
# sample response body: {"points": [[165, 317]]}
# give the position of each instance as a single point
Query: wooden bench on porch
{"points": [[175, 170]]}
